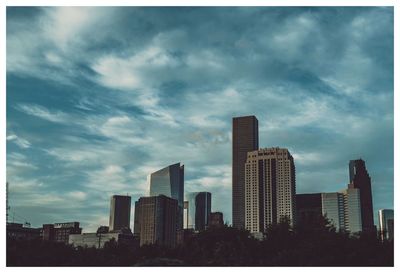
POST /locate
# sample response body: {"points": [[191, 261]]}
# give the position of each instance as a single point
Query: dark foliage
{"points": [[283, 246]]}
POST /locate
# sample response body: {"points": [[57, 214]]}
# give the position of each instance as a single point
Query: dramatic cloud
{"points": [[98, 98]]}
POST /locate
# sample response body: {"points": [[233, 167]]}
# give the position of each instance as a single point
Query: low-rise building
{"points": [[216, 220], [101, 237], [60, 232], [19, 232]]}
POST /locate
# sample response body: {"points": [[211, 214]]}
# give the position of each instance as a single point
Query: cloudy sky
{"points": [[97, 98]]}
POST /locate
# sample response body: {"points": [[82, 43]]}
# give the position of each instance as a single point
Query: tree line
{"points": [[225, 246]]}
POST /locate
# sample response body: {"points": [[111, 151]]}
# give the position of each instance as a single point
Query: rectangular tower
{"points": [[270, 188], [120, 212], [198, 210], [352, 210], [333, 209], [169, 181], [309, 210], [386, 221], [343, 210], [157, 220], [244, 139]]}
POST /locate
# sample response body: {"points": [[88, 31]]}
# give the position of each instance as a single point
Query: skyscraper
{"points": [[244, 139], [352, 210], [360, 179], [199, 209], [333, 209], [270, 188], [157, 218], [386, 224], [120, 212], [169, 181], [343, 210]]}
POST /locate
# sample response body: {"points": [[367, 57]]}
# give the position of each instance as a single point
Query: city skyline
{"points": [[91, 113]]}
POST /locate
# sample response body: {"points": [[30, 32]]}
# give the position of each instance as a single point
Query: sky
{"points": [[98, 98]]}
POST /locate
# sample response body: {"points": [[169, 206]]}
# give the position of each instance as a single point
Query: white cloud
{"points": [[130, 73], [43, 113], [22, 143], [65, 24], [76, 195], [111, 179]]}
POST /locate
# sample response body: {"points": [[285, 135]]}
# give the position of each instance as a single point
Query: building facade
{"points": [[99, 239], [343, 210], [352, 210], [360, 179], [60, 232], [157, 220], [386, 224], [169, 181], [120, 212], [18, 231], [216, 220], [244, 139], [270, 188], [309, 210], [198, 210], [333, 209]]}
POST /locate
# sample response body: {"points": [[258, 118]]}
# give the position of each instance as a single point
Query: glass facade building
{"points": [[343, 210], [386, 224], [198, 209], [169, 181], [120, 212]]}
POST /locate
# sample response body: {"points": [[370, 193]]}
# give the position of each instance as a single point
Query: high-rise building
{"points": [[270, 188], [198, 210], [157, 220], [169, 181], [333, 209], [343, 210], [309, 210], [136, 223], [360, 179], [120, 212], [244, 139], [386, 224], [352, 210], [216, 220]]}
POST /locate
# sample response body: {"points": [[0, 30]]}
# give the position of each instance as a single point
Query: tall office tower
{"points": [[169, 181], [136, 223], [270, 188], [352, 210], [343, 210], [199, 209], [386, 224], [120, 212], [157, 220], [360, 179], [333, 209], [309, 210], [244, 139]]}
